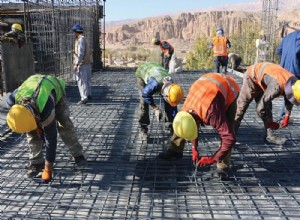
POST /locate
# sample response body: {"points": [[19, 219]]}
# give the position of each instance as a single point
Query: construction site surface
{"points": [[125, 179]]}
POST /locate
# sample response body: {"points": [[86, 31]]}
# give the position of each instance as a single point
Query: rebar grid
{"points": [[125, 180]]}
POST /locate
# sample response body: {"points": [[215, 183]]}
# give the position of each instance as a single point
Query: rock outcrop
{"points": [[187, 26]]}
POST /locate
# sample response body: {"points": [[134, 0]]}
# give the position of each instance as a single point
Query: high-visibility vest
{"points": [[44, 85], [257, 72], [220, 46], [149, 70], [205, 89]]}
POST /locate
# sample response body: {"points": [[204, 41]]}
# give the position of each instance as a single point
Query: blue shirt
{"points": [[289, 50], [150, 89]]}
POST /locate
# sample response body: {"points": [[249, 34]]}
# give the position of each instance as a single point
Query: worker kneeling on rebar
{"points": [[152, 78], [211, 101], [264, 82], [39, 107]]}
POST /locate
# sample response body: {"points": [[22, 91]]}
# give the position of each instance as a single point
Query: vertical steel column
{"points": [[269, 26]]}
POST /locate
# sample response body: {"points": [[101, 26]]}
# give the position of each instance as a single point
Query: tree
{"points": [[201, 56], [243, 43]]}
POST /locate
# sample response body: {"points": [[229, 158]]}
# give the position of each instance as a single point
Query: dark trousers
{"points": [[222, 62], [166, 60]]}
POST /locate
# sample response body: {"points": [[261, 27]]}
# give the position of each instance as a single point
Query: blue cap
{"points": [[77, 28]]}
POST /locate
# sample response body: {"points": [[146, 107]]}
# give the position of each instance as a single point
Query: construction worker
{"points": [[211, 101], [167, 51], [289, 53], [235, 60], [262, 46], [39, 108], [153, 78], [220, 47], [82, 64], [264, 82], [15, 36]]}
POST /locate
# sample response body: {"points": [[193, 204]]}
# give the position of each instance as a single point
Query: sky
{"points": [[116, 10]]}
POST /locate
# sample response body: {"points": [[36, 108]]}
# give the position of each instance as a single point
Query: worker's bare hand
{"points": [[158, 114]]}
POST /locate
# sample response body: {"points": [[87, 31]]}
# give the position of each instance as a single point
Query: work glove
{"points": [[285, 122], [273, 125], [206, 161], [195, 155], [158, 114]]}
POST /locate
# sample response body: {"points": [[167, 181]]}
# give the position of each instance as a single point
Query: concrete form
{"points": [[125, 180]]}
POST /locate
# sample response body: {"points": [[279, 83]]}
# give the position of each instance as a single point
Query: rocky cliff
{"points": [[187, 26]]}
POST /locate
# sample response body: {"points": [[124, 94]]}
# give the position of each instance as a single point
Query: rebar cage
{"points": [[48, 23]]}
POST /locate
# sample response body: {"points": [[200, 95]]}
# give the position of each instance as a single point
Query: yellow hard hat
{"points": [[185, 126], [154, 40], [17, 27], [296, 91], [175, 94], [20, 119]]}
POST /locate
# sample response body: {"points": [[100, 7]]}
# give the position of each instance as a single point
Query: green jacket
{"points": [[150, 69], [47, 84]]}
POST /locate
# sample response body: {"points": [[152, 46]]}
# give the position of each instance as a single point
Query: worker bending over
{"points": [[264, 82], [152, 78], [39, 108], [211, 101]]}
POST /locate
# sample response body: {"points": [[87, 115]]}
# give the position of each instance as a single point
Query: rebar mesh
{"points": [[125, 180]]}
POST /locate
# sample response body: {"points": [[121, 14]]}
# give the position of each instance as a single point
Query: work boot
{"points": [[47, 173], [274, 139], [170, 155], [35, 170], [81, 162], [82, 102]]}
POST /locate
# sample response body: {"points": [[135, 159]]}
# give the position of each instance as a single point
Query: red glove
{"points": [[273, 125], [195, 155], [284, 123], [206, 161]]}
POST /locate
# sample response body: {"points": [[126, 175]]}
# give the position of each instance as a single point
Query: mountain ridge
{"points": [[181, 30]]}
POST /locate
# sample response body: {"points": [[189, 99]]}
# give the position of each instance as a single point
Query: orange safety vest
{"points": [[205, 89], [165, 50], [220, 46], [257, 72]]}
